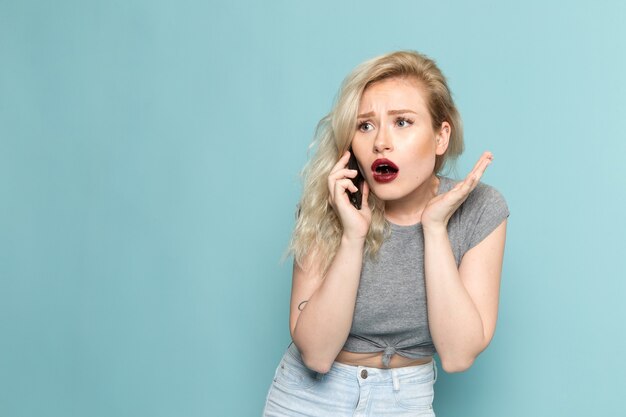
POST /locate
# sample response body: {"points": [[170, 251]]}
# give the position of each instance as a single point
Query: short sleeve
{"points": [[485, 210]]}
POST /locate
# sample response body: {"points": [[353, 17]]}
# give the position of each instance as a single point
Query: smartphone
{"points": [[356, 198]]}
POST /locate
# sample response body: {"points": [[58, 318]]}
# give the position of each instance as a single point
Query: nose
{"points": [[383, 141]]}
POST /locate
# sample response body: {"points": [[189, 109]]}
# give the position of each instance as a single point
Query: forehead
{"points": [[394, 93]]}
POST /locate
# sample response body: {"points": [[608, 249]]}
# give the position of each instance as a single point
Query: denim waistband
{"points": [[374, 375]]}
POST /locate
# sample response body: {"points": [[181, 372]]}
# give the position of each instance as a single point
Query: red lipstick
{"points": [[383, 170]]}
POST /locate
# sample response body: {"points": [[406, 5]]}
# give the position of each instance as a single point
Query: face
{"points": [[395, 143]]}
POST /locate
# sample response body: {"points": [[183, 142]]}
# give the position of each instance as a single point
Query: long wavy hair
{"points": [[318, 230]]}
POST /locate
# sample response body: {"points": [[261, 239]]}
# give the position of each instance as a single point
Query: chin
{"points": [[396, 191], [387, 195]]}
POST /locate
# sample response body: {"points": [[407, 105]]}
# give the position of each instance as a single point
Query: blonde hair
{"points": [[318, 230]]}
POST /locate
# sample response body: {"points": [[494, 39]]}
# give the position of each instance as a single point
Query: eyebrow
{"points": [[391, 112]]}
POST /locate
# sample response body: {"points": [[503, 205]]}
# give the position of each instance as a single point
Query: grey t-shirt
{"points": [[390, 313]]}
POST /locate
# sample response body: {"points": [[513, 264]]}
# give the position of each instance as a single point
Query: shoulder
{"points": [[483, 210], [485, 196]]}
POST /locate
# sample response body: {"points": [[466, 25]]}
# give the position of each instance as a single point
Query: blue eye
{"points": [[365, 126], [404, 122]]}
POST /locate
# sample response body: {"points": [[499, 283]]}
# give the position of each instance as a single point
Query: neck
{"points": [[408, 210]]}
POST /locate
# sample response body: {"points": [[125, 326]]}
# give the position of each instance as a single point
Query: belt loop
{"points": [[435, 369], [395, 379]]}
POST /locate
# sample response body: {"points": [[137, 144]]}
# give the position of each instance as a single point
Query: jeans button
{"points": [[364, 374]]}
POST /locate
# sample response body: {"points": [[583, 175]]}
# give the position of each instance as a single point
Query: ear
{"points": [[443, 138]]}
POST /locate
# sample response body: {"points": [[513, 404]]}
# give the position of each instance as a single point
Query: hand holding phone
{"points": [[356, 198]]}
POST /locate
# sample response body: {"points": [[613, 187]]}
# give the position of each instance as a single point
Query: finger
{"points": [[339, 190], [472, 179], [343, 173], [457, 195], [458, 186], [343, 161], [339, 175], [470, 182], [462, 189], [340, 197], [346, 184], [481, 169], [487, 159], [482, 163]]}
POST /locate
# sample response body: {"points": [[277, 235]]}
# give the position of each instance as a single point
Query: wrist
{"points": [[352, 241], [435, 229]]}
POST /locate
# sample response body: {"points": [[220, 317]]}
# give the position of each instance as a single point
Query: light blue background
{"points": [[149, 158]]}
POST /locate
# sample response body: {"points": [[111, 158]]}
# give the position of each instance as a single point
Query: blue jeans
{"points": [[350, 390]]}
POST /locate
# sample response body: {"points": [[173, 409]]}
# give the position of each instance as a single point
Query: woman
{"points": [[363, 334]]}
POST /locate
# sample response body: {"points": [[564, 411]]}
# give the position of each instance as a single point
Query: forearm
{"points": [[455, 323], [324, 323]]}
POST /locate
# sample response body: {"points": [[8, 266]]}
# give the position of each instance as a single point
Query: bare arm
{"points": [[463, 302], [321, 325]]}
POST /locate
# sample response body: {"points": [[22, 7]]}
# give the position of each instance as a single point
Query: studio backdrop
{"points": [[149, 160]]}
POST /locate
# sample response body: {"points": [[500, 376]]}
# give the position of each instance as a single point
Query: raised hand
{"points": [[440, 208], [355, 222]]}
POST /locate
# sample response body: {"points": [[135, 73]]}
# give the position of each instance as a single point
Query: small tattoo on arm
{"points": [[301, 305]]}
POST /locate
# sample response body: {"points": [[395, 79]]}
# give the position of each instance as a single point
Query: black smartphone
{"points": [[356, 198]]}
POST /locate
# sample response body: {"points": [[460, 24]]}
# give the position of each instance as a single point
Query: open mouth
{"points": [[383, 170]]}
